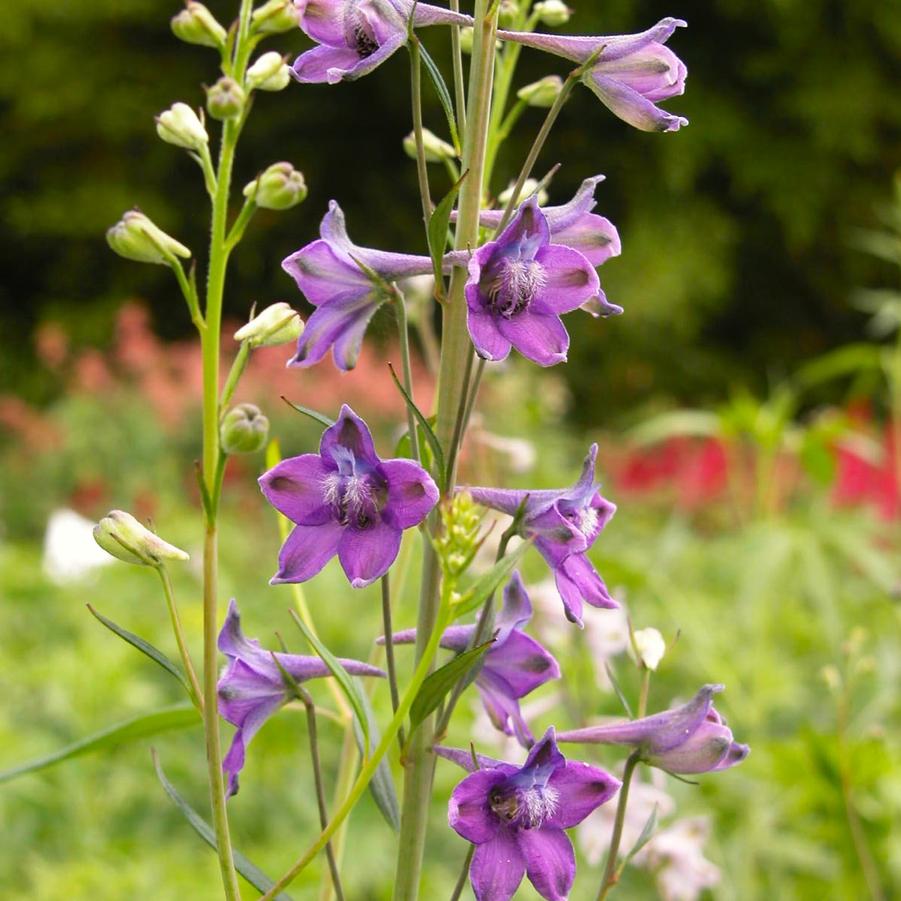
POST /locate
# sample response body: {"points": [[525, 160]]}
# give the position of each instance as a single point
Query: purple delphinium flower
{"points": [[564, 523], [355, 36], [632, 73], [252, 687], [515, 816], [692, 738], [345, 297], [518, 286], [512, 667], [345, 500]]}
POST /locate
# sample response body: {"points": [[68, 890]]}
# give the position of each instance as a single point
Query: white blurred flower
{"points": [[520, 454], [70, 552], [530, 186], [550, 625], [650, 647], [607, 634], [678, 852]]}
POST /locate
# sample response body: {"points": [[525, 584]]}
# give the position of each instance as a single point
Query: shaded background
{"points": [[738, 231]]}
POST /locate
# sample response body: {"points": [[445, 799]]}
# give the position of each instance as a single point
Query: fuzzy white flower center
{"points": [[515, 285]]}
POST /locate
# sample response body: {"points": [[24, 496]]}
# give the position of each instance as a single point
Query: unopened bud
{"points": [[508, 13], [181, 126], [280, 187], [552, 13], [268, 73], [277, 324], [274, 17], [195, 24], [466, 39], [649, 647], [528, 189], [542, 93], [244, 430], [121, 535], [225, 99], [831, 676], [436, 150], [135, 237]]}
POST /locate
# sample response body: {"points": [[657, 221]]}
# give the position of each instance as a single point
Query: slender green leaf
{"points": [[156, 655], [619, 691], [348, 685], [430, 436], [647, 833], [443, 94], [487, 584], [439, 683], [179, 716], [437, 231], [255, 876], [848, 360], [313, 414], [381, 787]]}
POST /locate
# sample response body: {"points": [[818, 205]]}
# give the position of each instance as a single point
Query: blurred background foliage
{"points": [[738, 258]]}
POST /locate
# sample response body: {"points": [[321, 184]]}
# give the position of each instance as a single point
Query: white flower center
{"points": [[515, 285]]}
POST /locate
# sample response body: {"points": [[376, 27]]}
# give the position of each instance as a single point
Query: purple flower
{"points": [[253, 687], [515, 816], [564, 523], [518, 286], [345, 297], [345, 500], [512, 667], [692, 738], [632, 73], [355, 36]]}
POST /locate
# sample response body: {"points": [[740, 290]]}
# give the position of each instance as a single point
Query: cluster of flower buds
{"points": [[459, 540]]}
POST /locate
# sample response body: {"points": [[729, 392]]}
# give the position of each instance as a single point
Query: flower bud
{"points": [[277, 324], [552, 13], [508, 13], [181, 126], [541, 93], [135, 237], [244, 430], [121, 535], [225, 99], [280, 187], [195, 24], [466, 39], [268, 73], [436, 150], [528, 189], [274, 17], [649, 647]]}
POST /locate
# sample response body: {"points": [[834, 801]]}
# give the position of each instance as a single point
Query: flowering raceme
{"points": [[345, 500], [564, 523], [515, 816], [356, 36], [512, 667], [252, 687], [632, 73]]}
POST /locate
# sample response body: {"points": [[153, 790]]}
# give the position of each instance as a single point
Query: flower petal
{"points": [[324, 275], [323, 20], [540, 337], [367, 554], [464, 759], [516, 610], [570, 280], [522, 663], [503, 708], [411, 493], [294, 488], [581, 789], [497, 868], [232, 641], [595, 237], [317, 66], [487, 339], [577, 581], [631, 106], [468, 812], [306, 551], [349, 432], [550, 861]]}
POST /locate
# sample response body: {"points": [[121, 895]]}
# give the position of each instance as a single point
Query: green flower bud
{"points": [[268, 73], [277, 324], [280, 187], [436, 150], [528, 189], [244, 430], [508, 13], [135, 237], [274, 17], [649, 647], [542, 93], [466, 38], [195, 24], [552, 13], [225, 99], [121, 535], [181, 126], [460, 538]]}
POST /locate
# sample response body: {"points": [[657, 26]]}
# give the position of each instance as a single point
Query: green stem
{"points": [[457, 54], [464, 873], [610, 872], [416, 99], [389, 648], [234, 375], [403, 330], [239, 226], [643, 692], [180, 637], [369, 768], [343, 782]]}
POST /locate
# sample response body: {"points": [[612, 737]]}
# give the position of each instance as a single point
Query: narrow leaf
{"points": [[313, 414], [381, 786], [156, 655], [179, 716], [646, 835], [437, 231], [348, 686], [439, 683], [851, 359], [487, 584], [443, 94], [255, 876], [619, 691], [430, 436]]}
